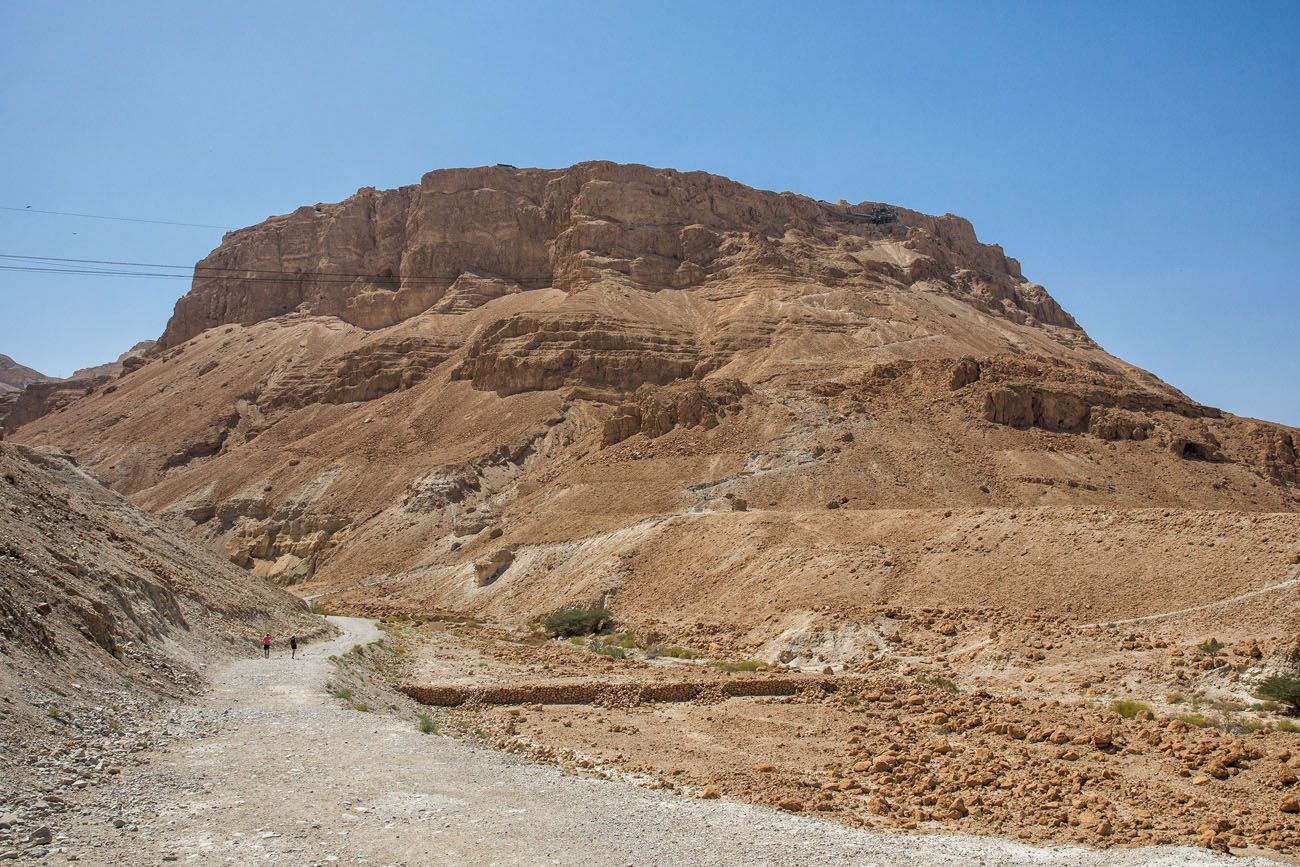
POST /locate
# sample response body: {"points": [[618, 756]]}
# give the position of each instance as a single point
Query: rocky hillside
{"points": [[44, 395], [504, 389], [103, 610], [116, 367], [15, 376]]}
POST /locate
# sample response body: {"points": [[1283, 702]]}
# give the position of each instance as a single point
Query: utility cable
{"points": [[31, 210]]}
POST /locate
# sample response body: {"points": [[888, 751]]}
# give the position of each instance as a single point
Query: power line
{"points": [[288, 277], [89, 261], [31, 210], [222, 270], [61, 265]]}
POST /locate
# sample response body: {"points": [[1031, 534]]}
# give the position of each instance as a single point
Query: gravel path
{"points": [[271, 770]]}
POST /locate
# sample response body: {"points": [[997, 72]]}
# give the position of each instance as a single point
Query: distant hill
{"points": [[16, 377]]}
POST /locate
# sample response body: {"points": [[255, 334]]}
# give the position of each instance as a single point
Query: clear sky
{"points": [[1142, 160]]}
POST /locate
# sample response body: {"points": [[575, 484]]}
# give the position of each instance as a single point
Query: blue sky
{"points": [[1141, 160]]}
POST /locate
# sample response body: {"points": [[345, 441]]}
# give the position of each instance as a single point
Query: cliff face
{"points": [[14, 377], [463, 237], [570, 380]]}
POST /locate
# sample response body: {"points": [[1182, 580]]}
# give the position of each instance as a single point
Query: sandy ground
{"points": [[270, 769]]}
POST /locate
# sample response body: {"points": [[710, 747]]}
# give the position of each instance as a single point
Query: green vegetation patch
{"points": [[575, 621], [733, 666], [942, 682], [1196, 720], [1283, 688], [1128, 708], [613, 651]]}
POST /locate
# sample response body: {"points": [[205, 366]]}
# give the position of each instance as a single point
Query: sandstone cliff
{"points": [[463, 237], [14, 377], [612, 372]]}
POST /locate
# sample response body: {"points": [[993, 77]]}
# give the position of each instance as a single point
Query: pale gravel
{"points": [[271, 770]]}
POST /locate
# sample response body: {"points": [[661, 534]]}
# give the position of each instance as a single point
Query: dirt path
{"points": [[1208, 606], [270, 770]]}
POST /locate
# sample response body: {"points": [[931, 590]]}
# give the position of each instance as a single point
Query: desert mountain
{"points": [[15, 376], [103, 611], [114, 368], [45, 394], [501, 390]]}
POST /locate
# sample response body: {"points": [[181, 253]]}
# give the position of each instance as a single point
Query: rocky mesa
{"points": [[501, 390]]}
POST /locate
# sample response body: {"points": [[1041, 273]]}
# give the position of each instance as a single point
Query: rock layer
{"points": [[462, 237]]}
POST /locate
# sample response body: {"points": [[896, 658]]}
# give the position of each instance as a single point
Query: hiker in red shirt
{"points": [[266, 646]]}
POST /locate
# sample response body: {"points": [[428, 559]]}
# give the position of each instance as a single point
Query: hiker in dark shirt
{"points": [[293, 647]]}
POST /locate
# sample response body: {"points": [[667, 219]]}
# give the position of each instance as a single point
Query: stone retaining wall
{"points": [[590, 692]]}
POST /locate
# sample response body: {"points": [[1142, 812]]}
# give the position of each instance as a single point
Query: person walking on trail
{"points": [[266, 646], [293, 647]]}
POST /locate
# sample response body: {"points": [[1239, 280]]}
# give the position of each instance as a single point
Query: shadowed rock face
{"points": [[613, 372], [462, 237], [15, 377]]}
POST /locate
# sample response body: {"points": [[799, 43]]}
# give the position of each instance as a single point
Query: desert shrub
{"points": [[427, 725], [606, 649], [676, 652], [942, 682], [1175, 697], [575, 621], [344, 694], [1284, 688], [1227, 704], [53, 711], [741, 665], [851, 699], [1286, 725], [1197, 720], [1243, 726], [361, 706], [1128, 708]]}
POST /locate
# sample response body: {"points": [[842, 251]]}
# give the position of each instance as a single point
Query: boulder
{"points": [[490, 568]]}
